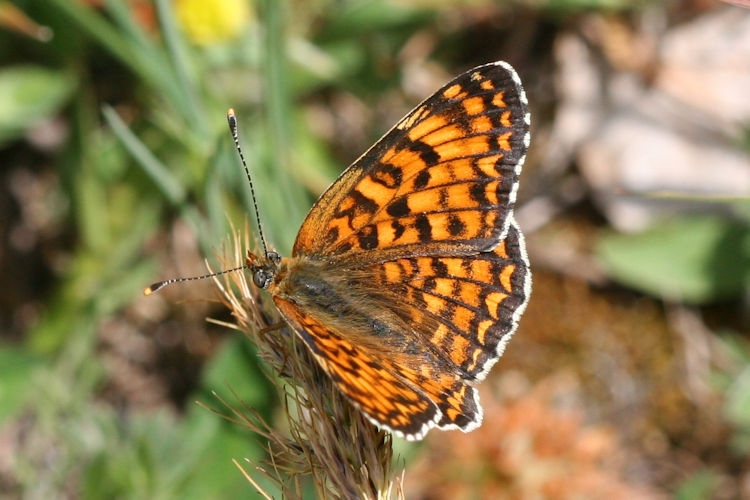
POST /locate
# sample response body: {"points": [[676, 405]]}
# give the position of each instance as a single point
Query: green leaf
{"points": [[29, 95], [700, 485], [737, 407], [233, 372], [216, 441], [692, 259], [16, 367], [357, 18]]}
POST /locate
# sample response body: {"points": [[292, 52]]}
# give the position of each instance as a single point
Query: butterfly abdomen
{"points": [[340, 299]]}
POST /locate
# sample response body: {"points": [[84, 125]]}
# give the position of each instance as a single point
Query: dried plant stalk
{"points": [[328, 439]]}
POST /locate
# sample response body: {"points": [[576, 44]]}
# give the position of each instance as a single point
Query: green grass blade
{"points": [[123, 17], [156, 170], [178, 54], [147, 62], [278, 130]]}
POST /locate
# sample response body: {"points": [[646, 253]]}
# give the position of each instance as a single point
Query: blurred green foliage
{"points": [[692, 259], [28, 95], [699, 486]]}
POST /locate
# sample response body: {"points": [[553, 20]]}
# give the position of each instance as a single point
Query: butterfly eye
{"points": [[262, 278]]}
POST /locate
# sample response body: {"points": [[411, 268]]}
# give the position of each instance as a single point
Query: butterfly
{"points": [[410, 274]]}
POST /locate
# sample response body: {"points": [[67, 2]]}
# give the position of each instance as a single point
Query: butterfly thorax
{"points": [[342, 299]]}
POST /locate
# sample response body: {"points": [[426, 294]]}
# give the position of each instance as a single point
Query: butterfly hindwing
{"points": [[465, 307], [442, 181]]}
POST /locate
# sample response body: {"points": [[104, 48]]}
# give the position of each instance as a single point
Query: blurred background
{"points": [[630, 374]]}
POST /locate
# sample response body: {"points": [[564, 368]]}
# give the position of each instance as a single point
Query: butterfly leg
{"points": [[272, 328]]}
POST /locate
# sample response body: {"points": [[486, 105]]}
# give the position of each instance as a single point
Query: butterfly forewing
{"points": [[405, 393], [387, 394], [442, 181]]}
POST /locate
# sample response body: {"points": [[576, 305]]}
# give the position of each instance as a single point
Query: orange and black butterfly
{"points": [[409, 274]]}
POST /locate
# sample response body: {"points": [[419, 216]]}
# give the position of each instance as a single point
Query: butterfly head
{"points": [[263, 270]]}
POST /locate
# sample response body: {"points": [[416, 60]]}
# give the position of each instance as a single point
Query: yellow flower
{"points": [[211, 21]]}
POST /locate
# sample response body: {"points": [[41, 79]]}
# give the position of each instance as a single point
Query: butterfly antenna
{"points": [[232, 119], [155, 287]]}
